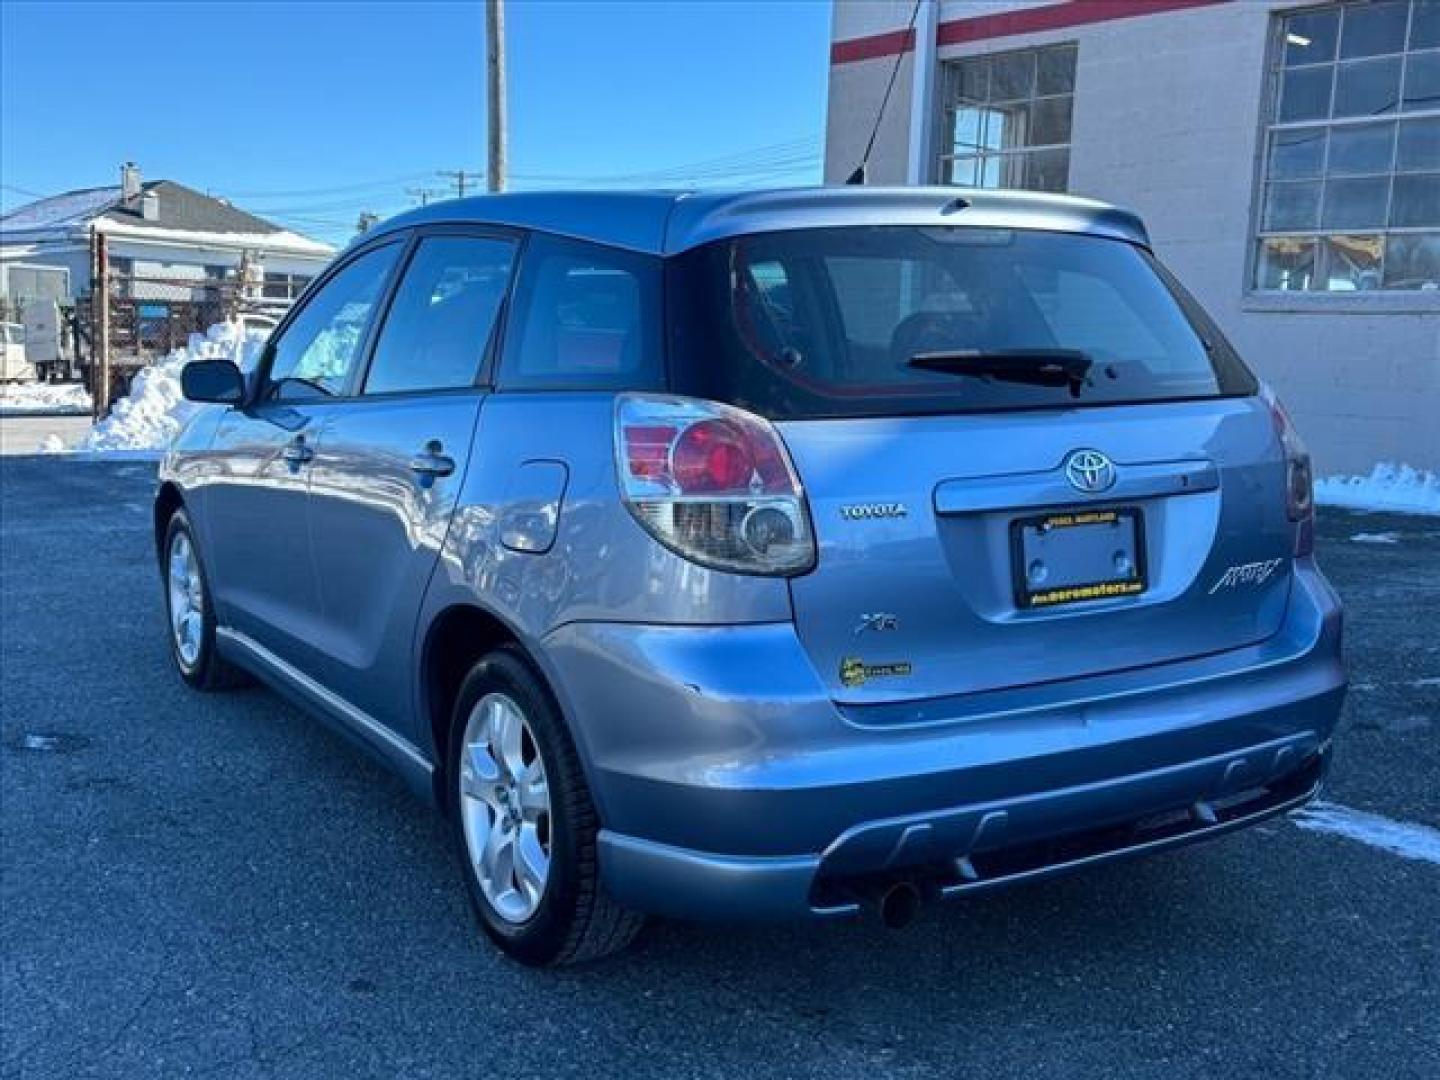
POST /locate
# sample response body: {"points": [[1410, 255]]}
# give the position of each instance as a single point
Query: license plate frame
{"points": [[1036, 533]]}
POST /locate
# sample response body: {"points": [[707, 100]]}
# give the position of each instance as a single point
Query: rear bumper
{"points": [[956, 852], [732, 787]]}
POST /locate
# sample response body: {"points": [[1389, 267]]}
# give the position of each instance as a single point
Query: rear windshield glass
{"points": [[901, 320]]}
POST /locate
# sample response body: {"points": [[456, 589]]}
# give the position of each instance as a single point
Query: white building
{"points": [[156, 230], [1286, 157]]}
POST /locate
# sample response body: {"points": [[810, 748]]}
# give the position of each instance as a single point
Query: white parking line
{"points": [[1398, 837]]}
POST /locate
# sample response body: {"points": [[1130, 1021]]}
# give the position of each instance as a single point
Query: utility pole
{"points": [[100, 358], [424, 195], [460, 178], [495, 92]]}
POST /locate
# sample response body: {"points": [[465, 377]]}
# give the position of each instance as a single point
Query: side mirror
{"points": [[216, 381]]}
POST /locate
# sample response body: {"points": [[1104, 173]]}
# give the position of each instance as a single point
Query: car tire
{"points": [[568, 918], [193, 648]]}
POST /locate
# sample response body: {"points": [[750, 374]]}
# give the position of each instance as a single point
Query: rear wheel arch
{"points": [[455, 641]]}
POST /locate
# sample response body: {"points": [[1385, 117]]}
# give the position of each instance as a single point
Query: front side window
{"points": [[585, 317], [443, 315], [1007, 119], [317, 353], [1351, 199], [901, 320]]}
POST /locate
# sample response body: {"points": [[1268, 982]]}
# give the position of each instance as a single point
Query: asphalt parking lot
{"points": [[218, 886]]}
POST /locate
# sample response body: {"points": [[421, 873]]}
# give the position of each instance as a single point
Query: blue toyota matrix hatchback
{"points": [[767, 555]]}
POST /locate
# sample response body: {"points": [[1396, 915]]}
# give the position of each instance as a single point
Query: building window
{"points": [[284, 286], [1352, 150], [1007, 119]]}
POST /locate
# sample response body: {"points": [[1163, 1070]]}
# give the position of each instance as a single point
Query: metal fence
{"points": [[149, 316], [130, 321]]}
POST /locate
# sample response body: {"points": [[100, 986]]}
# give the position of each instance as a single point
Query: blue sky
{"points": [[309, 113]]}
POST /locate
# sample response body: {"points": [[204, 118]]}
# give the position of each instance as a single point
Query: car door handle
{"points": [[430, 462], [298, 452]]}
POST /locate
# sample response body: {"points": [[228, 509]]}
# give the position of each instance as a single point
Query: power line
{"points": [[335, 189], [24, 191]]}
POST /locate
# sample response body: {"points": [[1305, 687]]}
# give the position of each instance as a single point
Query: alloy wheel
{"points": [[187, 598], [505, 807]]}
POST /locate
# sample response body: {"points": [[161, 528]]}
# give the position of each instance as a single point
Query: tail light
{"points": [[712, 483], [1299, 480]]}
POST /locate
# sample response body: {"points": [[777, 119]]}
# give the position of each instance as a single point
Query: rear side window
{"points": [[444, 313], [856, 321], [585, 317], [317, 353]]}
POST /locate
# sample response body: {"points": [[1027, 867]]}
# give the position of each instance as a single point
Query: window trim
{"points": [[258, 396], [1257, 299], [517, 309], [408, 239], [485, 370]]}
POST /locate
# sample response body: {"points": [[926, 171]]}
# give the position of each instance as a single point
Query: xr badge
{"points": [[881, 621]]}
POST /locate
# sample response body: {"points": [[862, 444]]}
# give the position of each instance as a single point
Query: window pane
{"points": [[1419, 145], [1050, 121], [1417, 201], [1056, 73], [965, 171], [318, 351], [1425, 25], [1296, 155], [1047, 170], [972, 79], [443, 315], [1007, 127], [1364, 148], [1355, 204], [1292, 206], [1412, 261], [1012, 76], [1369, 88], [1422, 81], [1287, 263], [969, 129], [586, 316], [1352, 263], [1374, 29], [1311, 38], [1305, 93], [1009, 170]]}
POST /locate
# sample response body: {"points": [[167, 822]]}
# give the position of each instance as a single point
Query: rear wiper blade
{"points": [[1036, 367]]}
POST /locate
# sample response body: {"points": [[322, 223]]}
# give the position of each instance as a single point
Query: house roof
{"points": [[184, 215], [667, 222]]}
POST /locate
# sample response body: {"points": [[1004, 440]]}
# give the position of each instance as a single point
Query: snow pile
{"points": [[1388, 487], [1375, 538], [154, 411], [40, 398]]}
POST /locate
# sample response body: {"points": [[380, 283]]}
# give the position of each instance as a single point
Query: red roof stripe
{"points": [[1006, 23], [873, 47]]}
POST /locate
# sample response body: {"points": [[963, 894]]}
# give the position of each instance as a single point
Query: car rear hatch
{"points": [[955, 554], [985, 519]]}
